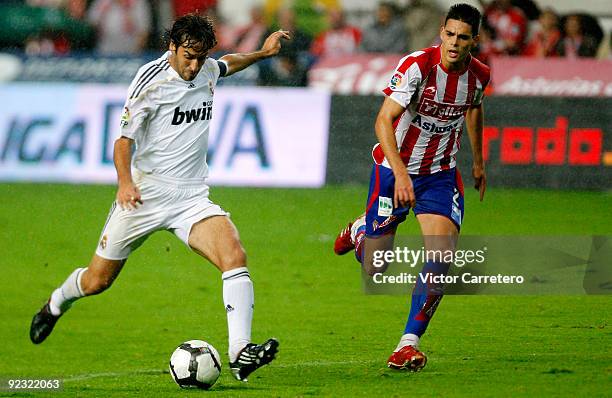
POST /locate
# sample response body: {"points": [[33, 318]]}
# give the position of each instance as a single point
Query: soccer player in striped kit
{"points": [[162, 185], [419, 126]]}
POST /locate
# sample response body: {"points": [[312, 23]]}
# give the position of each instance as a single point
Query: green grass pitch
{"points": [[334, 340]]}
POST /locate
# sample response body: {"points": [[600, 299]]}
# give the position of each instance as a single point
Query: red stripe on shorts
{"points": [[459, 181], [376, 188]]}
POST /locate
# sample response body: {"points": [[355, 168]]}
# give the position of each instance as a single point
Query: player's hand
{"points": [[404, 193], [480, 179], [272, 45], [128, 196]]}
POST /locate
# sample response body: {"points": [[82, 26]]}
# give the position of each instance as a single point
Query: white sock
{"points": [[408, 339], [359, 222], [238, 299], [70, 291]]}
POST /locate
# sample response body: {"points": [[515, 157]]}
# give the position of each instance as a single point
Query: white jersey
{"points": [[169, 118]]}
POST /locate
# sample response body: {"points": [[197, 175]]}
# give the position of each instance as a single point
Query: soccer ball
{"points": [[195, 363]]}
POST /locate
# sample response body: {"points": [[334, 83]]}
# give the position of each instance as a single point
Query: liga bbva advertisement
{"points": [[258, 137]]}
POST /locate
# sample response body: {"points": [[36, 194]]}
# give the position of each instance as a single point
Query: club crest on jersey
{"points": [[430, 92], [192, 115], [396, 80], [125, 117], [211, 87]]}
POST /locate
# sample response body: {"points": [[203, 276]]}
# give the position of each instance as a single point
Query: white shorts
{"points": [[168, 204]]}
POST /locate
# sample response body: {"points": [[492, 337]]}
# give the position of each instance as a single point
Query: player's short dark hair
{"points": [[465, 13], [192, 30]]}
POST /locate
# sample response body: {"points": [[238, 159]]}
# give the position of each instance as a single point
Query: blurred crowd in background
{"points": [[320, 28]]}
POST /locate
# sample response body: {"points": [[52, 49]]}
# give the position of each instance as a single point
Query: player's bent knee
{"points": [[96, 284], [100, 275], [235, 258], [373, 261]]}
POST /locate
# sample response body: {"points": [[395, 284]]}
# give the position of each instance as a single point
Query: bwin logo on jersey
{"points": [[192, 115]]}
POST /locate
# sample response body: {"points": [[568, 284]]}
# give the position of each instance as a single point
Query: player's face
{"points": [[457, 42], [187, 61]]}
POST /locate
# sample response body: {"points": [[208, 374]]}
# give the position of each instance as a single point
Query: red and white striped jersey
{"points": [[428, 133]]}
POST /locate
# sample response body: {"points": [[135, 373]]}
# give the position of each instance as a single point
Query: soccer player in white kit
{"points": [[162, 185]]}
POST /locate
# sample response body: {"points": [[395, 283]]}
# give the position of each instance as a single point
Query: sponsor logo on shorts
{"points": [[388, 221], [383, 224], [385, 206]]}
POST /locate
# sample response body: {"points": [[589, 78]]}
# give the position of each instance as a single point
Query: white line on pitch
{"points": [[113, 374], [160, 371]]}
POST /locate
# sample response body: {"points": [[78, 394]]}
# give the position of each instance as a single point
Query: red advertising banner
{"points": [[529, 142], [366, 74], [552, 77], [362, 74]]}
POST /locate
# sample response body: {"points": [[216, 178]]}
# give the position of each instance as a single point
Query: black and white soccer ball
{"points": [[195, 363]]}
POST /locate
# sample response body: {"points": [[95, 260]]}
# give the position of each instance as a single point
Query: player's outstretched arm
{"points": [[270, 48], [389, 111], [474, 121], [128, 194]]}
